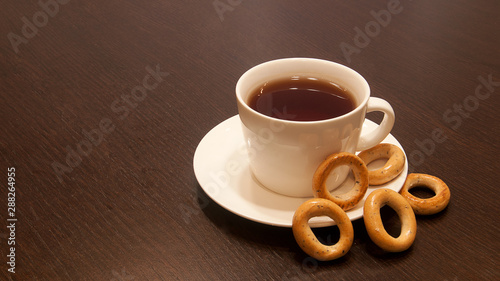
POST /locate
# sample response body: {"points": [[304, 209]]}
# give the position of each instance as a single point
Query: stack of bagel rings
{"points": [[405, 204]]}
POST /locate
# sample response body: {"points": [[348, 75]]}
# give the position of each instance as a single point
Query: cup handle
{"points": [[370, 139]]}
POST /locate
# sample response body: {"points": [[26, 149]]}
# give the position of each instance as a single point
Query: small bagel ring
{"points": [[373, 222], [348, 200], [428, 206], [306, 238], [391, 169]]}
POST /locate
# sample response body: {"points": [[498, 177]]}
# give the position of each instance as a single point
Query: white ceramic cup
{"points": [[283, 154]]}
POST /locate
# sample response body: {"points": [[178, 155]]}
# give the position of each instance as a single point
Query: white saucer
{"points": [[221, 168]]}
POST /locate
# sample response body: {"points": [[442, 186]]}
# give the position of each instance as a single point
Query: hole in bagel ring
{"points": [[373, 222], [392, 168], [306, 238], [428, 206], [348, 200]]}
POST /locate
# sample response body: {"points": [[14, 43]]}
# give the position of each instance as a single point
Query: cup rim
{"points": [[359, 107]]}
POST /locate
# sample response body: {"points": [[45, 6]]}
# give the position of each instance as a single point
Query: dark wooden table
{"points": [[104, 103]]}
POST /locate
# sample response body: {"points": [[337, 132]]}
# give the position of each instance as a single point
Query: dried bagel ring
{"points": [[391, 169], [306, 238], [348, 200], [373, 222], [428, 206]]}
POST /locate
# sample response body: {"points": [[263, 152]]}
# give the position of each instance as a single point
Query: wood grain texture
{"points": [[131, 208]]}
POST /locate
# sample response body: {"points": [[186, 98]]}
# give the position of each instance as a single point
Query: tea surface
{"points": [[301, 98]]}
